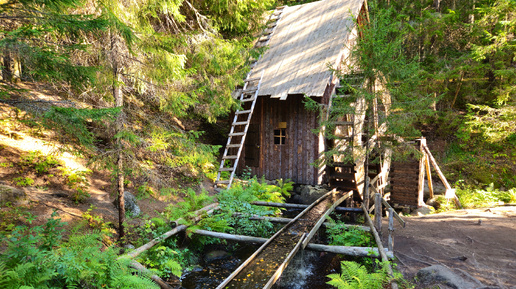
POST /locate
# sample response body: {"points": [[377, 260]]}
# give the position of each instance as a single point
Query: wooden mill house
{"points": [[273, 133]]}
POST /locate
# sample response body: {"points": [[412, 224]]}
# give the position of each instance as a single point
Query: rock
{"points": [[439, 189], [12, 195], [434, 203], [216, 255], [131, 206], [311, 193], [438, 274], [423, 211]]}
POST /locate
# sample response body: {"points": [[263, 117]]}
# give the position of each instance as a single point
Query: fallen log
{"points": [[286, 220], [208, 209], [300, 206], [345, 250], [162, 284]]}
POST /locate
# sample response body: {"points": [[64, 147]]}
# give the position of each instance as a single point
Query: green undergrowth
{"points": [[341, 234], [38, 257], [356, 276], [471, 197]]}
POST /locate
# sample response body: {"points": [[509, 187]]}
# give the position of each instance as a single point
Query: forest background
{"points": [[145, 85]]}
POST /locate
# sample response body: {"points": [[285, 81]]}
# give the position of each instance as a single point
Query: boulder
{"points": [[438, 274], [12, 195], [311, 193], [131, 207], [439, 189], [423, 211]]}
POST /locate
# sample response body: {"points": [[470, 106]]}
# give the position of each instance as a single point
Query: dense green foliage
{"points": [[38, 258], [341, 234]]}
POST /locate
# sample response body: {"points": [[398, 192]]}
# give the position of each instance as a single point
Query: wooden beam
{"points": [[322, 218], [390, 239], [208, 209], [421, 175], [162, 284], [345, 250], [402, 222], [383, 254], [378, 213], [429, 176], [301, 206], [450, 193], [287, 220]]}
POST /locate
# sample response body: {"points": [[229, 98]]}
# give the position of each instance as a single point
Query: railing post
{"points": [[378, 213], [390, 239]]}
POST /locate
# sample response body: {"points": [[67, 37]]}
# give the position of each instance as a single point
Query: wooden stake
{"points": [[383, 255], [378, 213], [421, 180], [390, 239], [450, 193], [429, 175]]}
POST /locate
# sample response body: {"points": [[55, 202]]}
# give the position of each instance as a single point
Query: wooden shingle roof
{"points": [[306, 40]]}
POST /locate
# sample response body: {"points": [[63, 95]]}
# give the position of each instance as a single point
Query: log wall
{"points": [[290, 160]]}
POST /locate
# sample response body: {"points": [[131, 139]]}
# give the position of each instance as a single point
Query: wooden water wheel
{"points": [[355, 125]]}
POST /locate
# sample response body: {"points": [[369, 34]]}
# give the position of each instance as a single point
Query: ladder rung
{"points": [[237, 134], [252, 79], [223, 182], [248, 99], [233, 146], [265, 38], [343, 123], [232, 157], [226, 169], [252, 90], [243, 111], [240, 123]]}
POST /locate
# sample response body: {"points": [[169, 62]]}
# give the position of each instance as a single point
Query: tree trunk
{"points": [[119, 102]]}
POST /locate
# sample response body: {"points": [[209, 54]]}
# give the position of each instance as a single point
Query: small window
{"points": [[280, 136]]}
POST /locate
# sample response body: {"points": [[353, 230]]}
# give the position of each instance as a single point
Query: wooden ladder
{"points": [[239, 128]]}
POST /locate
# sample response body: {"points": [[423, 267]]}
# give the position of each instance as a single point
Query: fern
{"points": [[355, 276], [37, 258]]}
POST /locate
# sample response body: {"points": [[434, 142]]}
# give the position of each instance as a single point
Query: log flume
{"points": [[265, 266]]}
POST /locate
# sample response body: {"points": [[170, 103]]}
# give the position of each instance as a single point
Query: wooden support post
{"points": [[384, 202], [429, 175], [450, 193], [378, 213], [390, 239], [421, 180], [383, 255]]}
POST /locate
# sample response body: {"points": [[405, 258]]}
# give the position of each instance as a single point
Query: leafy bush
{"points": [[192, 202], [41, 163], [37, 258], [23, 181], [341, 234], [474, 198]]}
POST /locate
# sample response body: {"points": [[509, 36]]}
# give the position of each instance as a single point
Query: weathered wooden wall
{"points": [[404, 182], [288, 161]]}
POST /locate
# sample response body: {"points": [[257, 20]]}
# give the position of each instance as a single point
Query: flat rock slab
{"points": [[441, 275]]}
